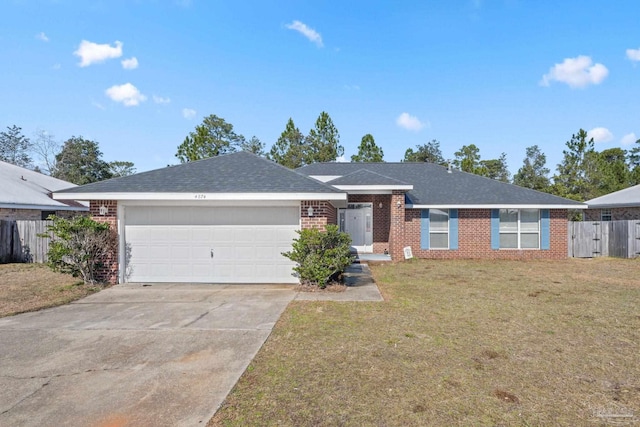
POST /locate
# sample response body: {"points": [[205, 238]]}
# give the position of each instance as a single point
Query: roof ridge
{"points": [[375, 173]]}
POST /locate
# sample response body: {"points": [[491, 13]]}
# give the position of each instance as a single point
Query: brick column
{"points": [[396, 232], [109, 271]]}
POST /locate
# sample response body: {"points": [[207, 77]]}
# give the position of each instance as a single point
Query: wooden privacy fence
{"points": [[588, 239], [19, 241]]}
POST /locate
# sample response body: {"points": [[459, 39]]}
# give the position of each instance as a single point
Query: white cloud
{"points": [[342, 159], [56, 66], [188, 113], [633, 54], [130, 64], [160, 100], [93, 53], [576, 72], [629, 139], [42, 36], [409, 122], [600, 135], [127, 94], [308, 32]]}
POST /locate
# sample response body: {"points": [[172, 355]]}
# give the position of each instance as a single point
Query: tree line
{"points": [[77, 160], [583, 173]]}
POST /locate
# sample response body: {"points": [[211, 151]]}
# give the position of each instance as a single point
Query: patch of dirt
{"points": [[505, 396]]}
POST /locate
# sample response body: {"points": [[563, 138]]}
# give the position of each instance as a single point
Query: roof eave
{"points": [[44, 207], [203, 196], [613, 205], [495, 206]]}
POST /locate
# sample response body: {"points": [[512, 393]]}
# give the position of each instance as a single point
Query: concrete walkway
{"points": [[360, 287]]}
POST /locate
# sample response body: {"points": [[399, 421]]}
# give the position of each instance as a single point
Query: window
{"points": [[519, 229], [45, 214], [439, 229], [605, 215]]}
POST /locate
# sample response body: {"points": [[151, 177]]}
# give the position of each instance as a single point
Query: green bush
{"points": [[78, 245], [321, 255]]}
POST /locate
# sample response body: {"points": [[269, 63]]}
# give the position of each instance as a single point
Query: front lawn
{"points": [[30, 287], [456, 343]]}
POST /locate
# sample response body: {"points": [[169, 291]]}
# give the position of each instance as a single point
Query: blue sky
{"points": [[501, 74]]}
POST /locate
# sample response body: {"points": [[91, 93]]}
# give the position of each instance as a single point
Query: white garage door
{"points": [[210, 245]]}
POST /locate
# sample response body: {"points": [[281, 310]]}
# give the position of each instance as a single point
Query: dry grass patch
{"points": [[30, 287], [457, 343]]}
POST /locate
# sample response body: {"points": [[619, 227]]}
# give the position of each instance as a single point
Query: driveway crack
{"points": [[26, 397], [50, 377], [196, 319]]}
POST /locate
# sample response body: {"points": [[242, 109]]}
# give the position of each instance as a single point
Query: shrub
{"points": [[321, 255], [78, 245]]}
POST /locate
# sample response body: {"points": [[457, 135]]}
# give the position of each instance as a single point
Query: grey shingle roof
{"points": [[365, 177], [627, 197], [433, 185], [239, 172]]}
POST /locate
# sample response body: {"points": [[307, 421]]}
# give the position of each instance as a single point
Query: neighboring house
{"points": [[229, 218], [621, 205], [25, 194]]}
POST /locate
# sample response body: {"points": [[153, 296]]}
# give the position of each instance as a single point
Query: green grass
{"points": [[456, 343]]}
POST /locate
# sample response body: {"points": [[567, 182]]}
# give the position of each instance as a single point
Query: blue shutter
{"points": [[544, 229], [453, 229], [495, 228], [424, 229]]}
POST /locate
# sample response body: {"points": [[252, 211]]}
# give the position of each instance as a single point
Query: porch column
{"points": [[106, 211], [396, 232]]}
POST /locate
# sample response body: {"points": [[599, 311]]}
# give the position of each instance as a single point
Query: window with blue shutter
{"points": [[424, 229], [495, 228], [453, 229], [545, 232]]}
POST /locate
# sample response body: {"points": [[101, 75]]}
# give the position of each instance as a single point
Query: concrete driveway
{"points": [[160, 355]]}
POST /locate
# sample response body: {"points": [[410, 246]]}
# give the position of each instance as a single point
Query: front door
{"points": [[357, 221]]}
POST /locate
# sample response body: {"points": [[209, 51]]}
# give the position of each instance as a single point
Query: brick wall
{"points": [[474, 238], [10, 214], [381, 218], [616, 214], [109, 271], [323, 213]]}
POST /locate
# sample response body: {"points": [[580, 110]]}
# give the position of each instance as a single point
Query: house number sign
{"points": [[200, 196]]}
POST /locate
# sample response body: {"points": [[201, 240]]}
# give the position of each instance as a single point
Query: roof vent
{"points": [[23, 178], [449, 170]]}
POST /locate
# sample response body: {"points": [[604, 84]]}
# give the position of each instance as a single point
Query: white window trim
{"points": [[604, 212], [519, 233], [448, 232]]}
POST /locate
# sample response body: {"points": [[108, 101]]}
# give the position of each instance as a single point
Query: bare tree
{"points": [[45, 147]]}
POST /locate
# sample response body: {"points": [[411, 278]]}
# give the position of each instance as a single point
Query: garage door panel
{"points": [[174, 244]]}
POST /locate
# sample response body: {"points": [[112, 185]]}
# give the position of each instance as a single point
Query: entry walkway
{"points": [[360, 287]]}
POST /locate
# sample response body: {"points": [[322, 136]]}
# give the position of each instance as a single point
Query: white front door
{"points": [[358, 223]]}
